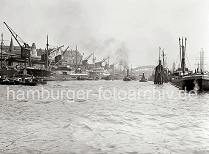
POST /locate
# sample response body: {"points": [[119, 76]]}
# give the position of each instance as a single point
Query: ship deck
{"points": [[196, 77]]}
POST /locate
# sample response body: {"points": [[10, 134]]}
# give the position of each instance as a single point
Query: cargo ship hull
{"points": [[192, 82], [30, 71], [8, 72], [39, 72]]}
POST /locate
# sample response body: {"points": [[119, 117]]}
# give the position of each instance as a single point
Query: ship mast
{"points": [[163, 55], [182, 44], [47, 53], [159, 54], [180, 48], [76, 56], [202, 60]]}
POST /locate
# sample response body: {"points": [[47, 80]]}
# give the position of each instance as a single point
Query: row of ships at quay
{"points": [[27, 65]]}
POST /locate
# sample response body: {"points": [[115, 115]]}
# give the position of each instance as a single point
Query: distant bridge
{"points": [[148, 67]]}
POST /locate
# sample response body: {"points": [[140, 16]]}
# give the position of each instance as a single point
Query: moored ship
{"points": [[16, 59], [187, 80]]}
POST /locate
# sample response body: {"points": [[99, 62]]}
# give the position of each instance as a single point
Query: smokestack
{"points": [[183, 64]]}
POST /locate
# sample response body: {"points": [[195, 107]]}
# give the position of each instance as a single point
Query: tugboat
{"points": [[6, 81], [40, 80], [81, 78], [127, 77], [26, 80], [185, 79], [143, 79], [109, 77]]}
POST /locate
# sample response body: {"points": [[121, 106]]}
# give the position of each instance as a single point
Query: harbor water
{"points": [[115, 117]]}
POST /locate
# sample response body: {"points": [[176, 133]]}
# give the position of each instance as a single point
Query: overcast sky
{"points": [[105, 26]]}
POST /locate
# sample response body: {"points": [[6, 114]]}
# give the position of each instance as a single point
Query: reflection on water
{"points": [[146, 124]]}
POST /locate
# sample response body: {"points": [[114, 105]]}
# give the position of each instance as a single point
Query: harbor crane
{"points": [[54, 50], [85, 61], [99, 64], [25, 48], [59, 58], [44, 56]]}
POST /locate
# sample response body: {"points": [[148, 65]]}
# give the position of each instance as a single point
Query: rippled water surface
{"points": [[162, 120]]}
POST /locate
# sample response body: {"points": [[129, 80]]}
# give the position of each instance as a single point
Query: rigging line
{"points": [[188, 61]]}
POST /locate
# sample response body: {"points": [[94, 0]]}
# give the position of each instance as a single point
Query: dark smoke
{"points": [[115, 49], [122, 55]]}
